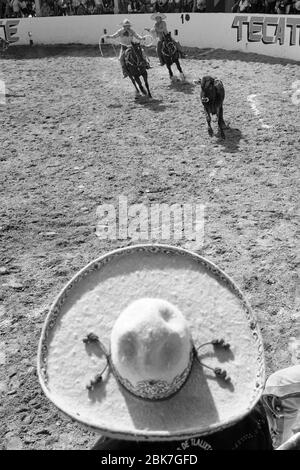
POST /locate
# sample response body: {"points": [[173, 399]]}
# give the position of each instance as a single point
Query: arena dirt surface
{"points": [[73, 137]]}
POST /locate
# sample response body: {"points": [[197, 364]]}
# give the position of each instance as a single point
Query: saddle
{"points": [[169, 46], [133, 59]]}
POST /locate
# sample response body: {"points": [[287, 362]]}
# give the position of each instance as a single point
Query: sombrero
{"points": [[158, 15], [126, 22], [152, 342]]}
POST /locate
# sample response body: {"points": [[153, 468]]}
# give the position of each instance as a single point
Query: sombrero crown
{"points": [[152, 342]]}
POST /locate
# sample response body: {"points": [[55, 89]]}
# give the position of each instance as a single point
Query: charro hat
{"points": [[126, 22], [152, 342], [158, 15]]}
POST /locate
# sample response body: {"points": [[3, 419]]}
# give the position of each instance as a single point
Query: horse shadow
{"points": [[152, 104], [231, 143], [182, 87]]}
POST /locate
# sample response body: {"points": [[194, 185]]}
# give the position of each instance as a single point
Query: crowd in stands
{"points": [[25, 8], [17, 8], [279, 7]]}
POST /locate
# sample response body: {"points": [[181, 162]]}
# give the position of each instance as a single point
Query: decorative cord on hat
{"points": [[221, 373], [91, 338]]}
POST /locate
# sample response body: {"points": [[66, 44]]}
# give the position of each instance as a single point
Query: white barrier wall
{"points": [[277, 36]]}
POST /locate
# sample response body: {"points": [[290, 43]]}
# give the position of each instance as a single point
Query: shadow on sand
{"points": [[152, 104], [82, 50], [231, 143], [182, 87]]}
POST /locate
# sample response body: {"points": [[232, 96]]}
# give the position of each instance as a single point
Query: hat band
{"points": [[155, 389]]}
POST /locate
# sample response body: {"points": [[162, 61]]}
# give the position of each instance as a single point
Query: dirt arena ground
{"points": [[73, 137]]}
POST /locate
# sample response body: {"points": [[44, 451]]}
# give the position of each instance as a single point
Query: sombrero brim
{"points": [[156, 15], [213, 307]]}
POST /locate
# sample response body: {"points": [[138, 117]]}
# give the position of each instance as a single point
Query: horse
{"points": [[136, 66], [170, 55]]}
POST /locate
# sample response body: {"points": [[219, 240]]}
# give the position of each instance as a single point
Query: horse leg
{"points": [[221, 122], [179, 69], [170, 72], [138, 81], [133, 81], [145, 77]]}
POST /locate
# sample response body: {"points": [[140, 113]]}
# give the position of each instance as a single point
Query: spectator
{"points": [[152, 6], [188, 6], [270, 6], [143, 7], [257, 6], [45, 9], [200, 6], [296, 7], [122, 7], [108, 7], [171, 6], [241, 6], [23, 8], [162, 6], [178, 6], [135, 6], [75, 5], [15, 4], [2, 8], [282, 7], [31, 8]]}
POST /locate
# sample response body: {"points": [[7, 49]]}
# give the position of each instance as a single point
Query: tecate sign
{"points": [[258, 29]]}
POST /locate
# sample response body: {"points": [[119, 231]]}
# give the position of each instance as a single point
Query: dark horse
{"points": [[170, 55], [136, 66]]}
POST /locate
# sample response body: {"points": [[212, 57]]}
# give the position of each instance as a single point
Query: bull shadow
{"points": [[231, 143]]}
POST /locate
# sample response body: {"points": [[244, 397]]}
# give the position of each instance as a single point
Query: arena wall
{"points": [[277, 36]]}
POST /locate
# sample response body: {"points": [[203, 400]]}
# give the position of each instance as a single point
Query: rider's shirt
{"points": [[159, 29], [126, 36]]}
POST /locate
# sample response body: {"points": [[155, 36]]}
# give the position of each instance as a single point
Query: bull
{"points": [[212, 96]]}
